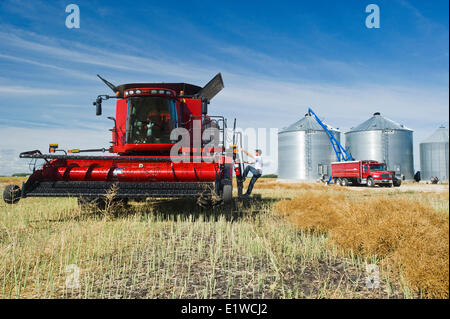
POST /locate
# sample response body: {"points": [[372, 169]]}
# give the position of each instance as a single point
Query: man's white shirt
{"points": [[259, 163]]}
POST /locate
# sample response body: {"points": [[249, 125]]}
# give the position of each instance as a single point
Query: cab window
{"points": [[150, 120], [378, 167]]}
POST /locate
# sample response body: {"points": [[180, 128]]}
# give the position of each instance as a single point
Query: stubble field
{"points": [[295, 241]]}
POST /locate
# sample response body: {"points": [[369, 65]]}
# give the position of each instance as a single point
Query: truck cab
{"points": [[374, 172]]}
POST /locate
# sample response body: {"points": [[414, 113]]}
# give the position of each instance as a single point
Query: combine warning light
{"points": [[52, 148]]}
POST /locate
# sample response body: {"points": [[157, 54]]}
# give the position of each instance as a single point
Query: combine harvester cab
{"points": [[164, 144]]}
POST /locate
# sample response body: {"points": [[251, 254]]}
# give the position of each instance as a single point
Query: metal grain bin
{"points": [[434, 156], [305, 151], [383, 140]]}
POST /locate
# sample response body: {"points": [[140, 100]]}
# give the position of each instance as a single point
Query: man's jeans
{"points": [[256, 175]]}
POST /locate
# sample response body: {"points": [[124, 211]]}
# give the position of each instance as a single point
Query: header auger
{"points": [[164, 144]]}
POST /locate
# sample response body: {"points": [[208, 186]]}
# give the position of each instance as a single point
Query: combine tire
{"points": [[11, 194], [344, 182], [370, 182], [227, 193]]}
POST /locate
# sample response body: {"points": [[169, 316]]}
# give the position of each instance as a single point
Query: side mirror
{"points": [[98, 106]]}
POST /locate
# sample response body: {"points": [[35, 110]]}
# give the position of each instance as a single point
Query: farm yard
{"points": [[290, 241]]}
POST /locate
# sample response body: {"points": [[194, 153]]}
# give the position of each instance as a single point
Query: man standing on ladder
{"points": [[256, 170]]}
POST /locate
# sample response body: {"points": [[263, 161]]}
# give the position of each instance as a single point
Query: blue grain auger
{"points": [[339, 150]]}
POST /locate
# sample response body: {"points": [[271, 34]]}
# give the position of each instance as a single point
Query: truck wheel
{"points": [[370, 182], [11, 194], [227, 193], [339, 182], [344, 182]]}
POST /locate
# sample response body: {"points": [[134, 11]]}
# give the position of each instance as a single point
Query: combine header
{"points": [[164, 144]]}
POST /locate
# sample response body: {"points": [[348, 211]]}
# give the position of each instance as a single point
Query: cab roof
{"points": [[188, 89]]}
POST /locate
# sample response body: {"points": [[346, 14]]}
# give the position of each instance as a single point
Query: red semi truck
{"points": [[366, 172]]}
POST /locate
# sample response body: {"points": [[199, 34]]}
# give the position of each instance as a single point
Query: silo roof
{"points": [[307, 123], [379, 122], [439, 136]]}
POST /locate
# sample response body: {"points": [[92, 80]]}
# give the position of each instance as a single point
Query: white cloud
{"points": [[101, 58], [22, 90], [70, 72]]}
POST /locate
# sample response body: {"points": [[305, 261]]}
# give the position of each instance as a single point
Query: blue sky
{"points": [[276, 57]]}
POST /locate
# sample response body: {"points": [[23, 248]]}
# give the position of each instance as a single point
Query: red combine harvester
{"points": [[151, 160], [370, 173]]}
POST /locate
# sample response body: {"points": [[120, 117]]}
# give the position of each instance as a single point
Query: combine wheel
{"points": [[227, 193], [11, 194]]}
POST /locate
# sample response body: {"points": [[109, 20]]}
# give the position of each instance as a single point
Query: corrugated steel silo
{"points": [[434, 156], [305, 151], [383, 140]]}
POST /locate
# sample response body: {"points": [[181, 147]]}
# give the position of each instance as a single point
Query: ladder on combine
{"points": [[237, 159]]}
